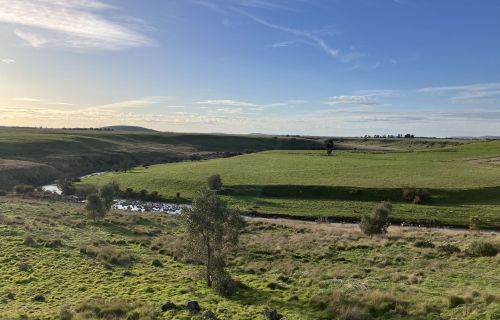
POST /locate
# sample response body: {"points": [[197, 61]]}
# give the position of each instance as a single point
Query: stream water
{"points": [[130, 205]]}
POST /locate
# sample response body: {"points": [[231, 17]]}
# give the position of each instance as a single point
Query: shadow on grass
{"points": [[448, 197]]}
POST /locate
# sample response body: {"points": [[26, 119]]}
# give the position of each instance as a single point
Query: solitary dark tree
{"points": [[212, 231], [95, 207], [329, 146], [214, 182]]}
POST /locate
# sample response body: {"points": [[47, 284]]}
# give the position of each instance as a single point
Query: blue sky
{"points": [[331, 67]]}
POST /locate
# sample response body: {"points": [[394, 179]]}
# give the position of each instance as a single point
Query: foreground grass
{"points": [[304, 270], [308, 183]]}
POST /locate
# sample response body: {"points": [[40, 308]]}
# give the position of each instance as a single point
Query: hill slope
{"points": [[74, 153]]}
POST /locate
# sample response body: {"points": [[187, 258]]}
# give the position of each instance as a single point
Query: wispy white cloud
{"points": [[70, 23], [41, 101], [228, 102], [7, 60], [135, 103], [351, 100], [235, 106], [468, 94]]}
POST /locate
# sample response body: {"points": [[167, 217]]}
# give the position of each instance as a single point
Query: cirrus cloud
{"points": [[70, 23]]}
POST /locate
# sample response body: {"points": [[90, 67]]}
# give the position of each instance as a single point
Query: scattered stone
{"points": [[209, 315], [30, 242], [39, 298], [168, 306], [157, 263], [272, 314], [193, 307]]}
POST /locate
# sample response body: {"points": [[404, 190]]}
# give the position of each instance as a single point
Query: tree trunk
{"points": [[209, 263]]}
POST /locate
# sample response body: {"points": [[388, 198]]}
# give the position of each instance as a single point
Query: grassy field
{"points": [[39, 156], [464, 180], [304, 270]]}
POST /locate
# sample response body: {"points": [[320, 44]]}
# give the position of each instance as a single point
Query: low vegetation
{"points": [[58, 264]]}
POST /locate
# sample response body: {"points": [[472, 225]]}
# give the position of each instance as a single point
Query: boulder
{"points": [[193, 307], [209, 315], [168, 306], [272, 314]]}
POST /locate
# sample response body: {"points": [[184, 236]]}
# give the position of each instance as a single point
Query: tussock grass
{"points": [[303, 270]]}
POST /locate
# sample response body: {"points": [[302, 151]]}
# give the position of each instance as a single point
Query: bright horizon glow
{"points": [[316, 67]]}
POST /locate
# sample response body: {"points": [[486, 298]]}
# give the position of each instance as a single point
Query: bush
{"points": [[3, 193], [108, 193], [449, 248], [474, 223], [82, 192], [482, 248], [455, 301], [424, 244], [66, 186], [215, 182], [417, 196], [23, 189], [378, 222], [95, 207]]}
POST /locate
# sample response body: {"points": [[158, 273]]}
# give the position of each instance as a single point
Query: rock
{"points": [[168, 306], [209, 315], [272, 314], [39, 298], [193, 307]]}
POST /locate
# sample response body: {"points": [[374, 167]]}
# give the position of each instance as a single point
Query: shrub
{"points": [[408, 193], [449, 248], [482, 248], [424, 244], [378, 222], [455, 301], [3, 193], [82, 192], [474, 223], [215, 182], [66, 186], [108, 193], [417, 196], [95, 207], [23, 189], [157, 263], [143, 193]]}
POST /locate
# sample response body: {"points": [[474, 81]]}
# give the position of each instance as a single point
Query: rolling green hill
{"points": [[464, 180], [56, 153]]}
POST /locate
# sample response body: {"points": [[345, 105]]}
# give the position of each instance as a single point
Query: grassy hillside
{"points": [[51, 253], [461, 179], [58, 153]]}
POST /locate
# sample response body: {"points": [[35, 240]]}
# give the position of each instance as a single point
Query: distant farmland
{"points": [[461, 179]]}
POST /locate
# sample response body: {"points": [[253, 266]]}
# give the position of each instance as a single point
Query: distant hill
{"points": [[130, 128]]}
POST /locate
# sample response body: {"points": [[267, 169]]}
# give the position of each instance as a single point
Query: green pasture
{"points": [[463, 180]]}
